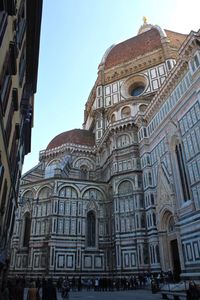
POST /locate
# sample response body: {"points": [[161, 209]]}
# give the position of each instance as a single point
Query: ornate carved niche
{"points": [[165, 195]]}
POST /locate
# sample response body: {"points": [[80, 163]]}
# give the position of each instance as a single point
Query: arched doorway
{"points": [[169, 249]]}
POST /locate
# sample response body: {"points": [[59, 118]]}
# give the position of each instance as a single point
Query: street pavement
{"points": [[116, 295]]}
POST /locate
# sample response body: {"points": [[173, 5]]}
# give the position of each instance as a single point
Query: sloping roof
{"points": [[138, 45], [176, 39], [75, 136]]}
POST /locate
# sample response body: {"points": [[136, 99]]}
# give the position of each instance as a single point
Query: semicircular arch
{"points": [[165, 215], [77, 163], [125, 187], [68, 191], [44, 192], [29, 194], [125, 112], [54, 161], [93, 193]]}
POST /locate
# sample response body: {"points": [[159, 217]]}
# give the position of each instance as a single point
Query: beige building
{"points": [[122, 195], [19, 49]]}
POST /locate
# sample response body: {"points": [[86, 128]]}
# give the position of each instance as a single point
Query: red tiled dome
{"points": [[75, 136], [139, 45]]}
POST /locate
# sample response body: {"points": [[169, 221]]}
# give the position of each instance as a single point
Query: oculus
{"points": [[137, 90], [134, 86]]}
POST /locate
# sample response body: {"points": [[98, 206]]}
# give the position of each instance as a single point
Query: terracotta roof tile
{"points": [[75, 136], [176, 39], [134, 47], [139, 45]]}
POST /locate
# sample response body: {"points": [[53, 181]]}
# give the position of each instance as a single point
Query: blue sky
{"points": [[74, 36]]}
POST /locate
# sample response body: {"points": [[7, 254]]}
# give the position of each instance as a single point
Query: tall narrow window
{"points": [[152, 199], [143, 220], [27, 230], [84, 172], [4, 196], [150, 178], [1, 172], [182, 172], [125, 112], [157, 253], [154, 219], [91, 229]]}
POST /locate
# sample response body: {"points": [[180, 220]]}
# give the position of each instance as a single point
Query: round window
{"points": [[137, 90], [134, 86]]}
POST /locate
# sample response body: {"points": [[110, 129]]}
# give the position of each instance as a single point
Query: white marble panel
{"points": [[114, 87], [155, 84], [153, 73], [161, 70], [107, 90], [115, 98], [108, 101]]}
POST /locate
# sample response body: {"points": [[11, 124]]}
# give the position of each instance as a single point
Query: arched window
{"points": [[150, 178], [93, 194], [27, 229], [113, 118], [143, 220], [91, 229], [182, 172], [154, 219], [125, 188], [171, 225], [50, 169], [84, 172], [157, 253], [68, 192], [141, 202], [44, 193], [125, 112], [27, 196], [146, 253], [137, 221], [152, 199]]}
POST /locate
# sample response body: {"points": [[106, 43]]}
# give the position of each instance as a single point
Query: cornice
{"points": [[64, 148], [116, 127], [185, 54], [139, 64], [173, 78]]}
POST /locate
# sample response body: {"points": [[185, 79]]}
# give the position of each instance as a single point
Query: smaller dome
{"points": [[75, 136]]}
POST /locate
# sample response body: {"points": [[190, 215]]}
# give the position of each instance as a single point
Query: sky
{"points": [[74, 37]]}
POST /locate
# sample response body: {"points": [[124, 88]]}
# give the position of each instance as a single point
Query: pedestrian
{"points": [[73, 283], [19, 290], [38, 283], [79, 284], [4, 295], [33, 293], [49, 291], [96, 284], [193, 292], [65, 288]]}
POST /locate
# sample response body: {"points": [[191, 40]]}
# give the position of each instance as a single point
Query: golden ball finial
{"points": [[145, 20]]}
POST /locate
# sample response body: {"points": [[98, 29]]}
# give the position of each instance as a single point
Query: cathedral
{"points": [[121, 196]]}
